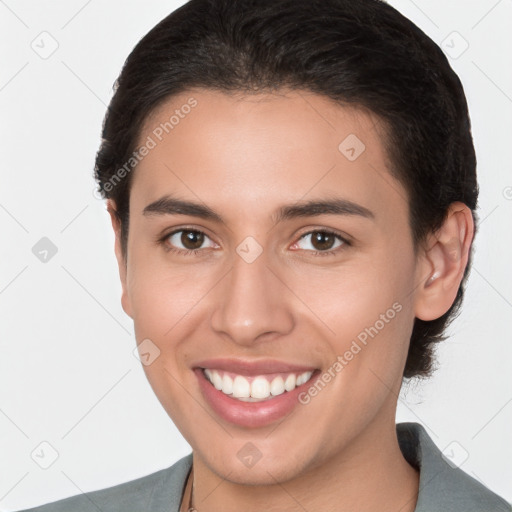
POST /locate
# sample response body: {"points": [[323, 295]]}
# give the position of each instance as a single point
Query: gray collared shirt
{"points": [[443, 487]]}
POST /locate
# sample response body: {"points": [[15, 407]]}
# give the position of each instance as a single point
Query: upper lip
{"points": [[253, 367]]}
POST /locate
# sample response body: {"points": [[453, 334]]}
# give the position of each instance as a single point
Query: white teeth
{"points": [[227, 384], [259, 389], [303, 377], [277, 386], [217, 380], [289, 383], [241, 387], [251, 399]]}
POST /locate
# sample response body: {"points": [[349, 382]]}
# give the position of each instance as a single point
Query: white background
{"points": [[68, 375]]}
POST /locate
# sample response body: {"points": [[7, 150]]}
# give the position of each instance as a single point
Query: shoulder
{"points": [[154, 492], [443, 484]]}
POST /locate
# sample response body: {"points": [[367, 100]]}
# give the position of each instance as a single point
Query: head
{"points": [[245, 108]]}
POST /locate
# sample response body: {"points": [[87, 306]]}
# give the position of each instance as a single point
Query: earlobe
{"points": [[121, 262], [443, 263]]}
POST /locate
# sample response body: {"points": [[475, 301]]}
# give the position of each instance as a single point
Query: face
{"points": [[233, 267]]}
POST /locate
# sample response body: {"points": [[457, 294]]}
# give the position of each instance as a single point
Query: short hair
{"points": [[360, 53]]}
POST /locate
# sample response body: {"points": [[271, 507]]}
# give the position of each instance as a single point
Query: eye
{"points": [[322, 242], [185, 241]]}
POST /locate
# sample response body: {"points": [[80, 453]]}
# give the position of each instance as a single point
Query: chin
{"points": [[265, 471]]}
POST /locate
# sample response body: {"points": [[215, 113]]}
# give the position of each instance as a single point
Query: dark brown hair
{"points": [[358, 52]]}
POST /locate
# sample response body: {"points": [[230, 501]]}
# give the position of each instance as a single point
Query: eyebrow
{"points": [[168, 205]]}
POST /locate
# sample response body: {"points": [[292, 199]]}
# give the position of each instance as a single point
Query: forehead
{"points": [[253, 152]]}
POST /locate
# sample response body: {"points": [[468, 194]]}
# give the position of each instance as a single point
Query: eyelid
{"points": [[322, 229], [205, 239], [167, 234], [345, 241], [162, 239]]}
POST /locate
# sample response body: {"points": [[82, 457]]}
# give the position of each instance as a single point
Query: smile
{"points": [[252, 393], [256, 388]]}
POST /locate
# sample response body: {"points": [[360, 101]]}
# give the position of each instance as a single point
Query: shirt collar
{"points": [[442, 486]]}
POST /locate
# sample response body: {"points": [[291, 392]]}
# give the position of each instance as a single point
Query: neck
{"points": [[369, 475]]}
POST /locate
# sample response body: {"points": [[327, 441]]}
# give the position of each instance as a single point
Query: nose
{"points": [[252, 303]]}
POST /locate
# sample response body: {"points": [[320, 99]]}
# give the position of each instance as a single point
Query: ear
{"points": [[121, 261], [442, 263]]}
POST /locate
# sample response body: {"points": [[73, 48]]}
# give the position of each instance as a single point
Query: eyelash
{"points": [[331, 252], [196, 252]]}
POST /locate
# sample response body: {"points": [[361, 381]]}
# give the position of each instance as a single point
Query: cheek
{"points": [[364, 309], [164, 303], [161, 295], [348, 299]]}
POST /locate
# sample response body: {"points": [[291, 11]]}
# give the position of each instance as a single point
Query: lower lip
{"points": [[250, 414]]}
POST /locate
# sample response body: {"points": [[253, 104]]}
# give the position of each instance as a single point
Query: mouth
{"points": [[256, 388], [253, 394]]}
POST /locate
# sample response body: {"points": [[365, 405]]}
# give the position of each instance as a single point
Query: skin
{"points": [[245, 157]]}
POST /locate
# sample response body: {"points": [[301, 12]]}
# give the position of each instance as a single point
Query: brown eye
{"points": [[322, 241], [187, 240], [192, 239]]}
